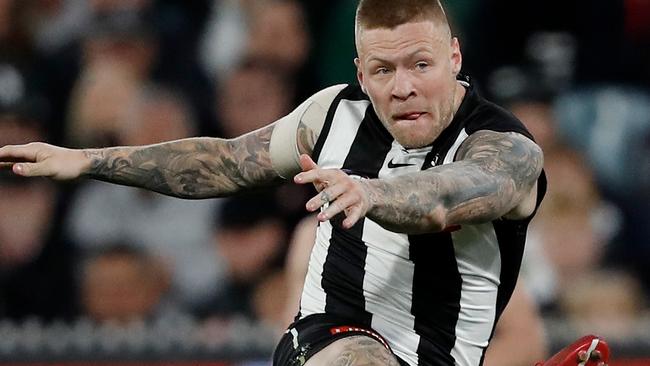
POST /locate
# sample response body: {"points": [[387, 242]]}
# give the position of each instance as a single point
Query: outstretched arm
{"points": [[188, 168], [494, 176]]}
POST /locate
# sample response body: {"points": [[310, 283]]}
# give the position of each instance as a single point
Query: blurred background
{"points": [[93, 272]]}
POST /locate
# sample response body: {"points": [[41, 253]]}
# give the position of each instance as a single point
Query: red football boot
{"points": [[586, 351]]}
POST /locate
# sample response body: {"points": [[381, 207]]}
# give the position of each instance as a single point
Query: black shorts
{"points": [[309, 335]]}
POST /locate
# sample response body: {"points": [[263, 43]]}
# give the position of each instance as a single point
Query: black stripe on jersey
{"points": [[436, 296], [343, 272], [370, 147], [511, 235]]}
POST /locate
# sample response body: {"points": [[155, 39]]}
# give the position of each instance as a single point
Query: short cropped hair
{"points": [[373, 14]]}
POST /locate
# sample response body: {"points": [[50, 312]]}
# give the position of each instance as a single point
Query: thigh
{"points": [[357, 350], [330, 340]]}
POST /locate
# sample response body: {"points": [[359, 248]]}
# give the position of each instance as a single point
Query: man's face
{"points": [[409, 73]]}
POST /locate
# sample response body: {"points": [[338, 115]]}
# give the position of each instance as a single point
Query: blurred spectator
{"points": [[122, 284], [177, 230], [124, 37], [569, 234], [158, 114], [279, 34], [517, 90], [243, 29], [255, 94], [118, 58], [224, 41], [605, 302], [537, 116], [611, 125], [250, 238], [98, 104]]}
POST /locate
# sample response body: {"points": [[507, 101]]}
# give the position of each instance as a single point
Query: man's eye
{"points": [[382, 71], [421, 65]]}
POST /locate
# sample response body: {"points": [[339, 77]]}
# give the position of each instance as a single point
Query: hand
{"points": [[38, 159], [342, 192]]}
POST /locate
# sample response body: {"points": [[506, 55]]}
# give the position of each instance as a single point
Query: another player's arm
{"points": [[494, 176]]}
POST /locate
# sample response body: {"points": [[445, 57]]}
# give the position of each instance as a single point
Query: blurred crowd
{"points": [[92, 73]]}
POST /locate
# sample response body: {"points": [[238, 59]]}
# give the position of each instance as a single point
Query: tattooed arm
{"points": [[189, 168], [494, 176]]}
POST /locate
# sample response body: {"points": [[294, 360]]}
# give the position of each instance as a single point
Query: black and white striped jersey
{"points": [[434, 297]]}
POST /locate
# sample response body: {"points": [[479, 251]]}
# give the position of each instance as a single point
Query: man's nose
{"points": [[403, 86]]}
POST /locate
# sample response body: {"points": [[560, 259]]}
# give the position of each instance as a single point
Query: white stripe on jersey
{"points": [[345, 125], [313, 295], [451, 154], [479, 267], [387, 286]]}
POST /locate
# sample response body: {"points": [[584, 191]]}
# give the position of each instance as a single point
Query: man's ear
{"points": [[456, 56], [357, 63]]}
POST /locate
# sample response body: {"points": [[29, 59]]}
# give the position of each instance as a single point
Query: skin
{"points": [[409, 73], [354, 351]]}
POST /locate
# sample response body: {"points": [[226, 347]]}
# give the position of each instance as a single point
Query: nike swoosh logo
{"points": [[392, 165]]}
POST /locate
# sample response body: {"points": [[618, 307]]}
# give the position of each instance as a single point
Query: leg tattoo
{"points": [[364, 351]]}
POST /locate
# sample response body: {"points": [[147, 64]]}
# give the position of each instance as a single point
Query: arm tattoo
{"points": [[364, 351], [493, 173], [190, 168], [306, 138]]}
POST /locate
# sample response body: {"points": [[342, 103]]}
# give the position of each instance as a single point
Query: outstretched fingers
{"points": [[15, 153], [14, 157], [22, 159]]}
